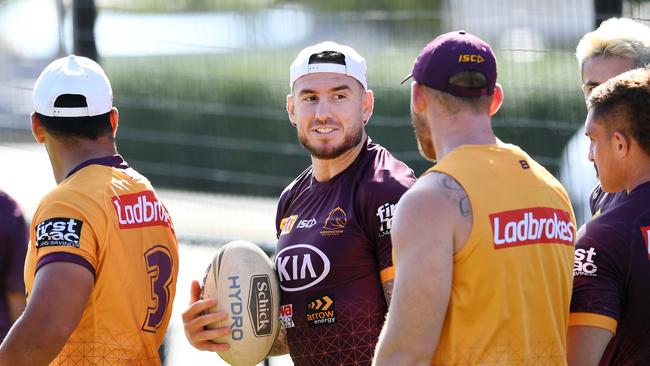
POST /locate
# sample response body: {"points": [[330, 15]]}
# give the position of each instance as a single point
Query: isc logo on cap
{"points": [[471, 58]]}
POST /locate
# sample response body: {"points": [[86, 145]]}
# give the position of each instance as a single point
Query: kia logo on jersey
{"points": [[301, 266], [140, 209], [533, 225]]}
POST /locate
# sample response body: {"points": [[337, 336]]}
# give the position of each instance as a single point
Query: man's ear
{"points": [[368, 105], [497, 99], [37, 128], [115, 118], [290, 110], [620, 144], [418, 97]]}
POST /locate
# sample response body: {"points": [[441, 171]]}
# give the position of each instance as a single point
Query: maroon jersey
{"points": [[333, 254], [13, 247], [612, 273], [601, 201]]}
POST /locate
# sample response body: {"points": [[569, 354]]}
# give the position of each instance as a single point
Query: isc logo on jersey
{"points": [[58, 231], [583, 262], [301, 266], [140, 209], [534, 225]]}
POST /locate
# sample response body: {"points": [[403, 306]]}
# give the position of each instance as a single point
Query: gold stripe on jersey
{"points": [[114, 220], [511, 283], [593, 320], [387, 274]]}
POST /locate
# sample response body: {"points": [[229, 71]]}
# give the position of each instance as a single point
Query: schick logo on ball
{"points": [[260, 304]]}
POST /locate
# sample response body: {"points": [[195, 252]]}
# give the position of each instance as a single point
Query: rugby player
{"points": [[13, 246], [618, 45], [333, 221], [609, 323], [102, 261], [484, 239]]}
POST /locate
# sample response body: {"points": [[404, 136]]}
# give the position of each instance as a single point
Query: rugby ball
{"points": [[241, 277]]}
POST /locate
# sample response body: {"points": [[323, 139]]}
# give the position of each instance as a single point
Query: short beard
{"points": [[350, 142], [423, 137]]}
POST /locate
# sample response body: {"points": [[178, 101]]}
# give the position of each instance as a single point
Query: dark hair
{"points": [[327, 57], [627, 98], [76, 127]]}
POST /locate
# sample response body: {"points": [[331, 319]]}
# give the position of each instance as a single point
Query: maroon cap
{"points": [[451, 53]]}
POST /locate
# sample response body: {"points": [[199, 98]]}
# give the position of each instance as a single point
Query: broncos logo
{"points": [[336, 220]]}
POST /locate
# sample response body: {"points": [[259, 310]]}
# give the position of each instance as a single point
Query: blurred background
{"points": [[201, 87]]}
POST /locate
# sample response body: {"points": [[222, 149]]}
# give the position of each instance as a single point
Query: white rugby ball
{"points": [[241, 277]]}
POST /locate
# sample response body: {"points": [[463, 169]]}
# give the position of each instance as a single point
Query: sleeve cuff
{"points": [[387, 274], [65, 257], [593, 320]]}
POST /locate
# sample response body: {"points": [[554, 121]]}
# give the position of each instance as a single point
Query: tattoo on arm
{"points": [[281, 344], [456, 193], [388, 290]]}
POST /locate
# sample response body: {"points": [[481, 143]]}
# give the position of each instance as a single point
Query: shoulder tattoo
{"points": [[455, 193]]}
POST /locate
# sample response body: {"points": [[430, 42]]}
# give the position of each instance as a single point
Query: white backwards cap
{"points": [[73, 75], [355, 65]]}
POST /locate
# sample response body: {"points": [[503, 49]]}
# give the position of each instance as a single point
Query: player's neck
{"points": [[64, 159], [326, 169], [638, 174], [463, 131]]}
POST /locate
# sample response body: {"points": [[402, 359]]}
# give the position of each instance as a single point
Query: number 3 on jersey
{"points": [[159, 269]]}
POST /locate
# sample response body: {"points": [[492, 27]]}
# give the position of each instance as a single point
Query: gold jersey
{"points": [[511, 284], [107, 217]]}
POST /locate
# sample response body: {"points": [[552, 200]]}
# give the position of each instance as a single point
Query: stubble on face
{"points": [[423, 137], [350, 141]]}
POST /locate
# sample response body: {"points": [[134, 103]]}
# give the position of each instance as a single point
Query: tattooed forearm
{"points": [[456, 193], [388, 290], [281, 344]]}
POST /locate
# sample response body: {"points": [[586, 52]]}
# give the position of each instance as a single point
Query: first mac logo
{"points": [[58, 232]]}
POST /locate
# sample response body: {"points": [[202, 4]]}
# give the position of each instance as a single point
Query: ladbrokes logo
{"points": [[532, 226], [583, 262], [320, 310], [260, 304], [58, 232], [140, 209], [335, 222]]}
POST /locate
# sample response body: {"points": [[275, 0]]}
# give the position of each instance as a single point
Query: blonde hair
{"points": [[619, 37]]}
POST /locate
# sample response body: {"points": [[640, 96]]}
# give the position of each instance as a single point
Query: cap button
{"points": [[462, 32]]}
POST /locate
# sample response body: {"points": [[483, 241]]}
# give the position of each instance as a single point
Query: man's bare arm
{"points": [[586, 345], [388, 290], [432, 221], [61, 291]]}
